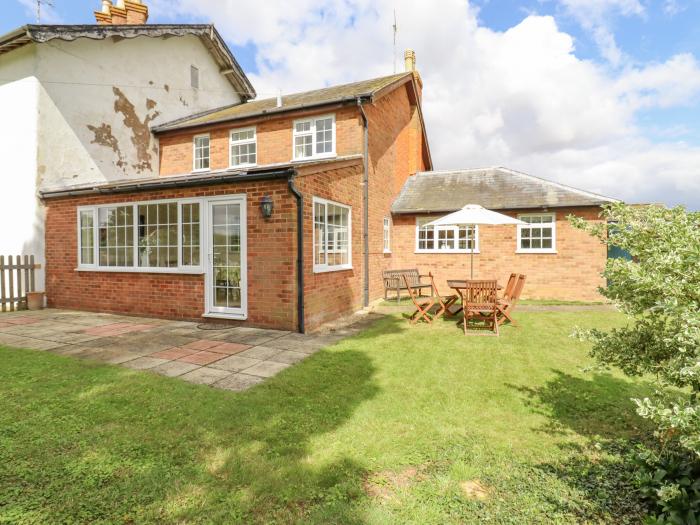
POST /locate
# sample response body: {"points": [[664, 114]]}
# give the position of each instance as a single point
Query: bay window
{"points": [[438, 239], [538, 235], [332, 234], [314, 137], [144, 236]]}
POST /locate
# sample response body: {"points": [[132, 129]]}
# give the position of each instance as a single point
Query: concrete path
{"points": [[234, 358]]}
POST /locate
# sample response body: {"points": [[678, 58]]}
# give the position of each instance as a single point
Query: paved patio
{"points": [[232, 358]]}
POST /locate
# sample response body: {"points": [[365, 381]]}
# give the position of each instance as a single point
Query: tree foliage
{"points": [[660, 290]]}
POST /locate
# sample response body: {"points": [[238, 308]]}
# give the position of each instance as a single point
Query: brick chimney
{"points": [[131, 12], [409, 59]]}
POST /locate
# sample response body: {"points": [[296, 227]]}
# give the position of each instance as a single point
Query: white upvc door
{"points": [[226, 278]]}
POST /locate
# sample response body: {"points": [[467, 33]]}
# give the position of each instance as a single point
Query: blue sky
{"points": [[599, 94]]}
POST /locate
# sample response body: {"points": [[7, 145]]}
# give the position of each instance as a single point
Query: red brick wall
{"points": [[330, 295], [573, 273], [274, 140], [271, 262]]}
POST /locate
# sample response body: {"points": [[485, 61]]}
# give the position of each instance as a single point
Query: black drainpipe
{"points": [[300, 250], [365, 208]]}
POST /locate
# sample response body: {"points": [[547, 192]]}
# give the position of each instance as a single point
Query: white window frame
{"points": [[553, 249], [455, 229], [314, 155], [231, 143], [135, 268], [386, 235], [194, 153], [323, 268]]}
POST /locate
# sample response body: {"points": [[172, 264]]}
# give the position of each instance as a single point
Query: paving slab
{"points": [[205, 375], [260, 352], [266, 369], [238, 382], [202, 358], [235, 363], [174, 368], [144, 363]]}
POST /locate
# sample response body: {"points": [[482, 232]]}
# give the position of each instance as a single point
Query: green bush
{"points": [[669, 482], [659, 289]]}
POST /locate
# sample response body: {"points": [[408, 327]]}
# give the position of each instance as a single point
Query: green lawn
{"points": [[397, 425]]}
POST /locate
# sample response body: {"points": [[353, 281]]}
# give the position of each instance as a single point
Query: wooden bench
{"points": [[394, 281]]}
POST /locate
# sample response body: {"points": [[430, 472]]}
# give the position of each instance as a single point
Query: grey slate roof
{"points": [[493, 188], [207, 33], [306, 99]]}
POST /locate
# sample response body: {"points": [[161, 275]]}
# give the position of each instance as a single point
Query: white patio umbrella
{"points": [[472, 215]]}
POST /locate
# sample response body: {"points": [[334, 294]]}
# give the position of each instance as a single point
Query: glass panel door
{"points": [[226, 285]]}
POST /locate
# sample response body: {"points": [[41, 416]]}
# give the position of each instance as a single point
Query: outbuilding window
{"points": [[445, 239], [332, 234], [314, 137], [538, 235], [387, 235]]}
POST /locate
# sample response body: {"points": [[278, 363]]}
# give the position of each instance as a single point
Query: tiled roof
{"points": [[493, 188], [306, 99]]}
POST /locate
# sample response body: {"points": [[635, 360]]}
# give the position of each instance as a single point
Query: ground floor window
{"points": [[387, 235], [432, 239], [162, 235], [538, 235], [332, 234]]}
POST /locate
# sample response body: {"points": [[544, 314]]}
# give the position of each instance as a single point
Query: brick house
{"points": [[284, 212]]}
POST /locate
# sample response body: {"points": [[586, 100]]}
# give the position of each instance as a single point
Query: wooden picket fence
{"points": [[16, 279]]}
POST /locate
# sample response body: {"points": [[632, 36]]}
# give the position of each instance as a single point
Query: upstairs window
{"points": [[314, 138], [439, 239], [194, 77], [538, 235], [243, 147], [201, 153]]}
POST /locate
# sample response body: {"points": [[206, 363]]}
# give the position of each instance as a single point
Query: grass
{"points": [[396, 425]]}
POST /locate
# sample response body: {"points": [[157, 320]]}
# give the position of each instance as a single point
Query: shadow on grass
{"points": [[88, 443], [599, 474], [596, 406]]}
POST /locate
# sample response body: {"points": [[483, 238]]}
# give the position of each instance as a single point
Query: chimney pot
{"points": [[409, 58]]}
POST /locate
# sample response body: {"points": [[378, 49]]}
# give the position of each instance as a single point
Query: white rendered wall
{"points": [[21, 217], [85, 120]]}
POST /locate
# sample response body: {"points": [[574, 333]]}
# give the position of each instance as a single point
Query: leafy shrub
{"points": [[660, 290], [669, 482]]}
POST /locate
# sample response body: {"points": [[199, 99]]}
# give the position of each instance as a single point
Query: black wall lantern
{"points": [[266, 206]]}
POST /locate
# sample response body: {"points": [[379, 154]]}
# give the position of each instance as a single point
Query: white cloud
{"points": [[519, 98], [595, 16]]}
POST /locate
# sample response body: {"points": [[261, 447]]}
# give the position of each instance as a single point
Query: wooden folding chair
{"points": [[480, 303], [510, 287], [425, 304], [506, 305]]}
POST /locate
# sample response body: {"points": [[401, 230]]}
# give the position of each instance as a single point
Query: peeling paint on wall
{"points": [[104, 137], [140, 132]]}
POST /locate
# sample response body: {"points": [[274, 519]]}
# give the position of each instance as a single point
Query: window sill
{"points": [[476, 252], [216, 315], [239, 166], [114, 269], [314, 157], [202, 170], [387, 252], [327, 269], [536, 251]]}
